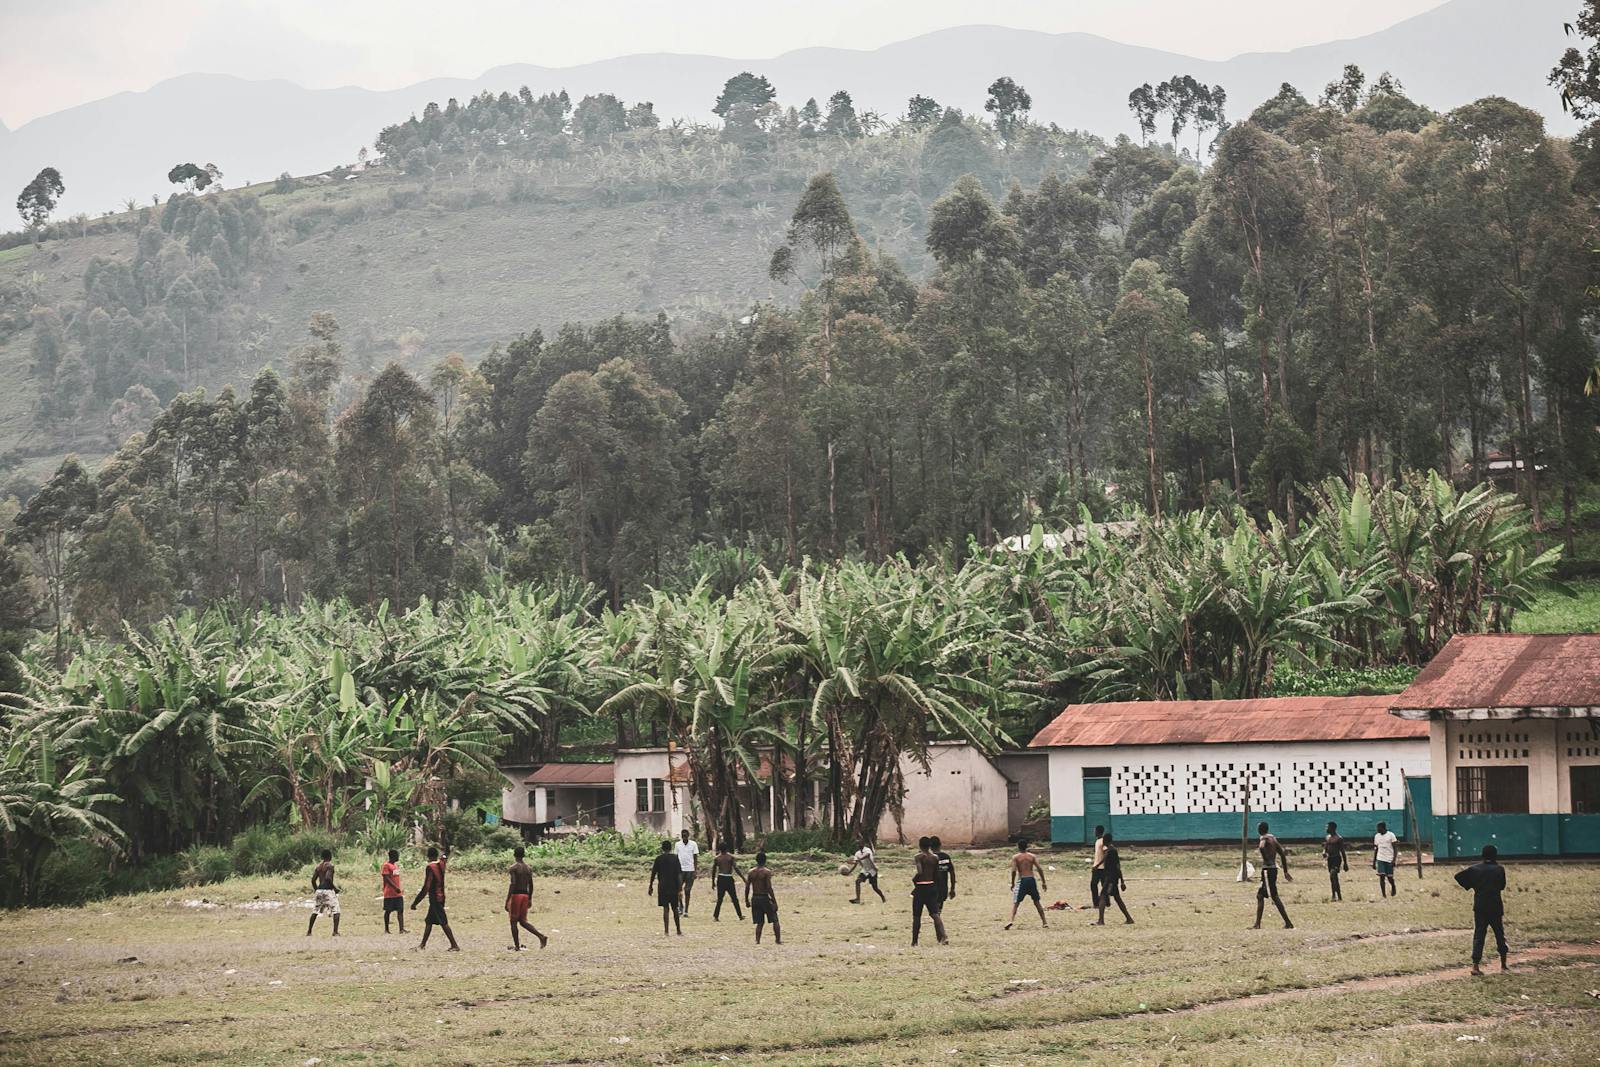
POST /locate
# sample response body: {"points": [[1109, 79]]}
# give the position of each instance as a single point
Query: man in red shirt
{"points": [[518, 896], [433, 889], [394, 901]]}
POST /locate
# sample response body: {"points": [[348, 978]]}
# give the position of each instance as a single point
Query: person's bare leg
{"points": [[516, 942], [528, 926], [310, 924], [882, 899], [1126, 918], [759, 926], [666, 930], [1015, 904], [777, 936], [336, 926], [1040, 909], [677, 922], [452, 939], [427, 931]]}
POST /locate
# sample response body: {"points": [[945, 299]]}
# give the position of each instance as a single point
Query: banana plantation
{"points": [[330, 717]]}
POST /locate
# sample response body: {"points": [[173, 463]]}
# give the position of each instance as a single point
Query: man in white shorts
{"points": [[689, 863], [324, 894]]}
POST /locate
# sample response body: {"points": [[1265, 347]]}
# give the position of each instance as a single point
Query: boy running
{"points": [[925, 892], [394, 901], [666, 877], [688, 866], [726, 867], [1335, 852], [518, 897], [1487, 880], [1271, 854], [762, 901], [947, 871], [867, 860], [1027, 878], [1112, 884], [1383, 860], [433, 889], [324, 893]]}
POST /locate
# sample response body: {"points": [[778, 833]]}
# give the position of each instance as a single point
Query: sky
{"points": [[66, 52]]}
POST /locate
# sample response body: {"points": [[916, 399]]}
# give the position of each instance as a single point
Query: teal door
{"points": [[1096, 806], [1422, 802]]}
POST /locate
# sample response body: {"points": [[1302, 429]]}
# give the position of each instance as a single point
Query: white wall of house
{"points": [[1285, 776], [1549, 748], [960, 798], [667, 805], [516, 799]]}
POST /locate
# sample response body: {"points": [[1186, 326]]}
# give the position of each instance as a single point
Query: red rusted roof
{"points": [[1508, 672], [571, 774], [1210, 722]]}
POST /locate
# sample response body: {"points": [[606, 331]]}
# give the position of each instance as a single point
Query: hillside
{"points": [[122, 146]]}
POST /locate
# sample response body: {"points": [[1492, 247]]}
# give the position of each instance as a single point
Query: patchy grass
{"points": [[1555, 613], [1361, 981]]}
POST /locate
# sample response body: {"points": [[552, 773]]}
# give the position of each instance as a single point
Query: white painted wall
{"points": [[1549, 748], [635, 763], [1186, 787], [960, 798]]}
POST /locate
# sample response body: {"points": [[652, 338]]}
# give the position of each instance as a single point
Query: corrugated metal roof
{"points": [[571, 774], [1508, 672], [1210, 722]]}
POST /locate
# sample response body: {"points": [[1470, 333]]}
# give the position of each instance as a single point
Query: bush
{"points": [[204, 864], [277, 849], [152, 876], [501, 839], [463, 830], [74, 874], [814, 839], [380, 835]]}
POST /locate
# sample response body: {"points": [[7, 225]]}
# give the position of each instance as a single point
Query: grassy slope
{"points": [[246, 987], [1561, 614]]}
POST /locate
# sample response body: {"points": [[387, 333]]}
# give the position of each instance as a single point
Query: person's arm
{"points": [[952, 878], [1039, 867], [651, 888], [1013, 874], [1283, 854], [427, 879], [1344, 855]]}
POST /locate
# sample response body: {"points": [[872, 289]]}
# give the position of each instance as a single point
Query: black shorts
{"points": [[870, 879], [666, 896], [763, 909], [394, 904], [927, 896], [436, 915]]}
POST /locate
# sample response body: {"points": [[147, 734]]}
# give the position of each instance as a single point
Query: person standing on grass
{"points": [[726, 867], [1112, 884], [925, 892], [1487, 880], [1336, 853], [867, 860], [762, 900], [1383, 859], [324, 893], [1272, 853], [666, 876], [947, 871], [518, 897], [688, 852], [394, 900], [433, 890], [1097, 872], [1027, 878]]}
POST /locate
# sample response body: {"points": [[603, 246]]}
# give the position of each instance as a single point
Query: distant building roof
{"points": [[1494, 675], [1210, 722], [571, 774]]}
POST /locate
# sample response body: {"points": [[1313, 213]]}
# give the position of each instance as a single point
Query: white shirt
{"points": [[687, 851], [1384, 843], [869, 863]]}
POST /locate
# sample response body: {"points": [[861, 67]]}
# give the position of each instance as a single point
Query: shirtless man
{"points": [[1097, 872], [1336, 853], [726, 867], [1112, 884], [925, 892], [1272, 853], [1027, 878], [324, 893], [762, 901], [518, 897]]}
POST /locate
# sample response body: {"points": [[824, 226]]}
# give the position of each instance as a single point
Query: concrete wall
{"points": [[628, 767], [1196, 792], [960, 798], [1031, 773], [516, 799]]}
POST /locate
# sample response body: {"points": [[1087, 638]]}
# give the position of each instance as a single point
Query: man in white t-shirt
{"points": [[689, 863], [1383, 860], [867, 860]]}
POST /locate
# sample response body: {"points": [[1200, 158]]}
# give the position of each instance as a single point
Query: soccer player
{"points": [[1336, 853], [1272, 853], [947, 871], [394, 900], [1487, 880], [867, 860], [518, 897], [433, 889], [726, 867], [762, 901], [1097, 872], [1383, 859], [1027, 877], [688, 852], [925, 892], [1112, 884], [666, 876], [324, 893]]}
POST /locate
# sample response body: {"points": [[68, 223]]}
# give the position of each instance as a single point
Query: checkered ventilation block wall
{"points": [[1300, 785]]}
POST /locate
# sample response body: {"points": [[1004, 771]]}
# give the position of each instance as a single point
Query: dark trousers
{"points": [[1481, 925], [1097, 878], [725, 887]]}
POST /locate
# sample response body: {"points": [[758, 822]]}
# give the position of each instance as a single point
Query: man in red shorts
{"points": [[517, 900]]}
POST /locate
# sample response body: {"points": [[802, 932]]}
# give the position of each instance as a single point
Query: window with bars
{"points": [[1491, 790]]}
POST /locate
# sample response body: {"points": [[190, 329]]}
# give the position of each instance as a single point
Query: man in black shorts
{"points": [[726, 867], [1336, 853], [433, 889], [762, 900], [925, 892], [1111, 883], [867, 860], [665, 880], [1272, 853]]}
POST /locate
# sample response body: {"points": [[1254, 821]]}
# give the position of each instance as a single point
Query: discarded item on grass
{"points": [[1469, 1037], [1024, 981]]}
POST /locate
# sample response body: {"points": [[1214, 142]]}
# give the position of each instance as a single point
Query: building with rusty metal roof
{"points": [[1185, 770], [1514, 732]]}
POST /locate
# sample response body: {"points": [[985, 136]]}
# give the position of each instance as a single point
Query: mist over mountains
{"points": [[121, 147]]}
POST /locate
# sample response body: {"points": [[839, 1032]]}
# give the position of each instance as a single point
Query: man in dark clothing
{"points": [[666, 879], [1111, 884], [947, 871], [1336, 853], [1487, 880], [433, 890], [925, 892]]}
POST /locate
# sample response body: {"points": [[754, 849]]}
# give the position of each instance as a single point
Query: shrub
{"points": [[75, 873], [276, 849], [204, 864], [380, 835], [463, 830], [501, 839], [813, 839], [153, 875]]}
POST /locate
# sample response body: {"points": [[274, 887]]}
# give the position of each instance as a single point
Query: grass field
{"points": [[165, 979], [1563, 614]]}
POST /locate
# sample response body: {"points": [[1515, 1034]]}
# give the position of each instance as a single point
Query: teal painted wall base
{"points": [[1464, 836], [1222, 825]]}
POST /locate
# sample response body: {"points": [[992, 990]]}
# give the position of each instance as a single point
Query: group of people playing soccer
{"points": [[674, 870]]}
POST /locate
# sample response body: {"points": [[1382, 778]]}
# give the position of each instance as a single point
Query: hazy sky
{"points": [[64, 52]]}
